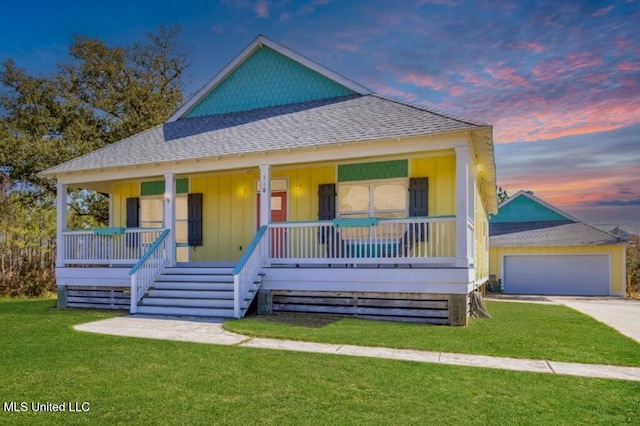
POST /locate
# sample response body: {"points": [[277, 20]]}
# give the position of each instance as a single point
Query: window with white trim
{"points": [[380, 198], [152, 216], [151, 211]]}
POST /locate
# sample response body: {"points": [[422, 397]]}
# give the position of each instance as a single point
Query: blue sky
{"points": [[558, 80]]}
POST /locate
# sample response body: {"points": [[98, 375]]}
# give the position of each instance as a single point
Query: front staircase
{"points": [[194, 291]]}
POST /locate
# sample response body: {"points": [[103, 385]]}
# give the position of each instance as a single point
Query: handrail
{"points": [[248, 269], [147, 269], [250, 249], [151, 249]]}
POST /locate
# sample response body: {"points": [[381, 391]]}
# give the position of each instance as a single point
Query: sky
{"points": [[559, 80]]}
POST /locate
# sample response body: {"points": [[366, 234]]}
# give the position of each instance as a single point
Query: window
{"points": [[151, 212], [152, 216], [383, 199], [181, 228]]}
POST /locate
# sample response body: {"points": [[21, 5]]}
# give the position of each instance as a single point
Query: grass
{"points": [[140, 381], [519, 330]]}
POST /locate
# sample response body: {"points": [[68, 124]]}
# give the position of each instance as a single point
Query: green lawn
{"points": [[519, 330], [140, 381]]}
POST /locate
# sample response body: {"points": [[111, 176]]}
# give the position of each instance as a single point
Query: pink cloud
{"points": [[596, 78], [628, 66], [456, 90], [549, 121], [393, 92], [583, 60], [534, 46], [262, 9], [422, 81], [603, 11], [508, 74], [348, 47]]}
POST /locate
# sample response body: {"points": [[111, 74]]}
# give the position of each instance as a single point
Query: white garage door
{"points": [[568, 275]]}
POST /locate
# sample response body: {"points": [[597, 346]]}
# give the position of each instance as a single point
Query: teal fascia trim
{"points": [[153, 248], [250, 250], [266, 79], [524, 209], [355, 222], [109, 231]]}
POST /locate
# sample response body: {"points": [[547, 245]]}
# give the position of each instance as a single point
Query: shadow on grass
{"points": [[301, 320]]}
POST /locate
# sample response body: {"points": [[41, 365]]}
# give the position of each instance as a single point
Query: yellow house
{"points": [[536, 248], [283, 179]]}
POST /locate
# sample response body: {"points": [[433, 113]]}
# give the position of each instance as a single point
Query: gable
{"points": [[524, 209], [264, 79]]}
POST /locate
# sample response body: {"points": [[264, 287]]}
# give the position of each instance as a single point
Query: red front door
{"points": [[278, 214]]}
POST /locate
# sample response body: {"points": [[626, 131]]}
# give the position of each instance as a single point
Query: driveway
{"points": [[621, 314]]}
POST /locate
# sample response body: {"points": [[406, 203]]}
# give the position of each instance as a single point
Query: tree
{"points": [[633, 265], [101, 95], [502, 195]]}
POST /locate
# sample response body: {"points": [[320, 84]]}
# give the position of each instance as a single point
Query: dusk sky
{"points": [[558, 80]]}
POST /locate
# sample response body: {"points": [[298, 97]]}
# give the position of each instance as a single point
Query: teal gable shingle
{"points": [[266, 79], [524, 209]]}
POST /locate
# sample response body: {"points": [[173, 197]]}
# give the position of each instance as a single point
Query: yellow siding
{"points": [[229, 212], [123, 191], [616, 252], [482, 240], [230, 206], [441, 172], [302, 194]]}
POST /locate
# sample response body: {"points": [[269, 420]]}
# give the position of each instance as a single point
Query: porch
{"points": [[400, 258]]}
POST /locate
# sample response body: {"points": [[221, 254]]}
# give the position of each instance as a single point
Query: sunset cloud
{"points": [[262, 9], [557, 80]]}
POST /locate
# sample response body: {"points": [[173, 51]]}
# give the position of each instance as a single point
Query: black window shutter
{"points": [[419, 205], [133, 212], [327, 201], [194, 216], [326, 208], [418, 197]]}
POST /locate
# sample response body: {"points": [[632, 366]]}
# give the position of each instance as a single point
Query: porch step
{"points": [[196, 286], [190, 293], [186, 311], [202, 278], [192, 290], [174, 302], [198, 271]]}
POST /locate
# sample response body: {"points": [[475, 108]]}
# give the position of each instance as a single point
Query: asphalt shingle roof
{"points": [[548, 234], [329, 121]]}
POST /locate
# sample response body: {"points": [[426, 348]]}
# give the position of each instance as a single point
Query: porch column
{"points": [[265, 194], [110, 210], [170, 215], [462, 206], [61, 222]]}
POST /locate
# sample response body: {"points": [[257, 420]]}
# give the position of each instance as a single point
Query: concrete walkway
{"points": [[202, 331]]}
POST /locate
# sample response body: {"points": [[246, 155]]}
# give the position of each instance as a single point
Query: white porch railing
{"points": [[148, 268], [247, 270], [110, 246], [416, 240]]}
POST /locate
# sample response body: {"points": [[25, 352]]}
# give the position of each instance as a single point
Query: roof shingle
{"points": [[548, 234], [316, 123]]}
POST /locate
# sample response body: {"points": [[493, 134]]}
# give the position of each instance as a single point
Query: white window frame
{"points": [[161, 221], [353, 232], [372, 184]]}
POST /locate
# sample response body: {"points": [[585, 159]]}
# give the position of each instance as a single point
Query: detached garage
{"points": [[535, 248]]}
